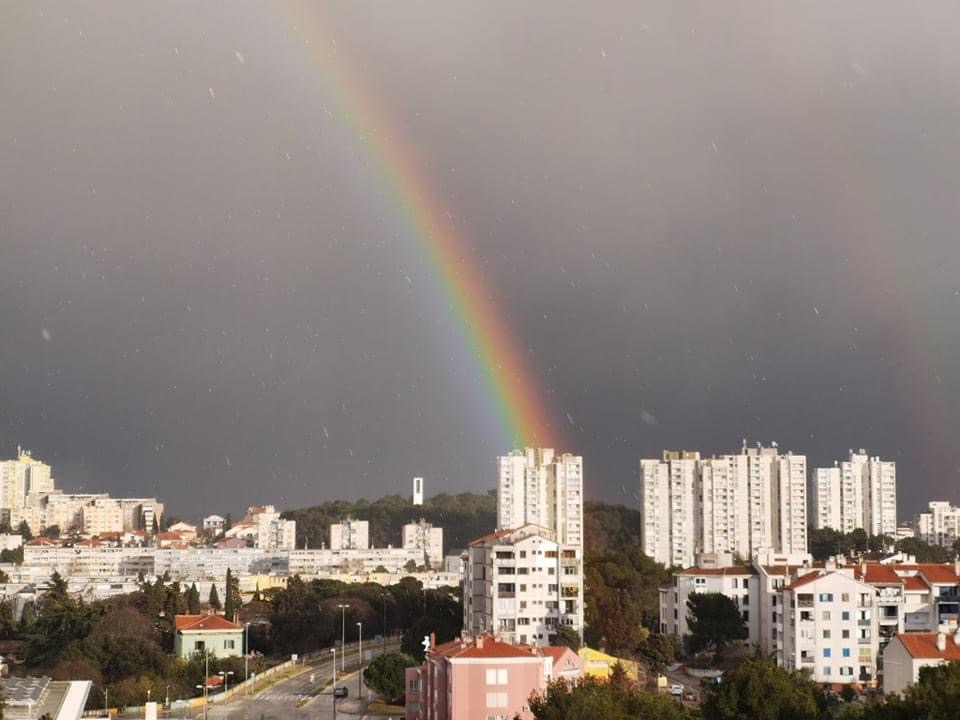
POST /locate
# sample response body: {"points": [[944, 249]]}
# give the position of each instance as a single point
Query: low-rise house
{"points": [[211, 633], [483, 677], [907, 653], [185, 529], [600, 665]]}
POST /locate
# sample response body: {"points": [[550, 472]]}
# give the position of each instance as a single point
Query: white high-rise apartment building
{"points": [[418, 491], [858, 493], [21, 477], [424, 536], [537, 487], [668, 501], [350, 534], [939, 525], [740, 503]]}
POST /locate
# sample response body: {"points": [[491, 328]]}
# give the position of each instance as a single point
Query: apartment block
{"points": [[421, 535], [859, 493], [535, 486], [21, 477], [521, 584], [350, 534], [832, 619], [102, 516], [742, 503], [262, 527], [939, 524]]}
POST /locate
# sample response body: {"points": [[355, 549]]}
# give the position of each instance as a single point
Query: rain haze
{"points": [[700, 222]]}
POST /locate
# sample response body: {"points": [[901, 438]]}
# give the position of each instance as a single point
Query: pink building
{"points": [[482, 678]]}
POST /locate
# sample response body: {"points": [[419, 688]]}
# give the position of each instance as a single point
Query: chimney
{"points": [[478, 642], [941, 642], [956, 566], [956, 637]]}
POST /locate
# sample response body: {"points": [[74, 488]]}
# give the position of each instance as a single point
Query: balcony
{"points": [[864, 622], [865, 641]]}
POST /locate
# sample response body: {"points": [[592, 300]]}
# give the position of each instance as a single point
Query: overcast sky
{"points": [[704, 221]]}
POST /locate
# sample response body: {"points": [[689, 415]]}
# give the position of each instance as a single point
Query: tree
{"points": [[23, 530], [386, 676], [566, 636], [214, 598], [233, 601], [657, 651], [411, 566], [760, 690], [713, 620], [193, 600], [52, 532], [591, 698]]}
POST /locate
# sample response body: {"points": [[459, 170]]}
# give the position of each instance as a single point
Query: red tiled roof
{"points": [[882, 575], [939, 573], [204, 622], [503, 533], [805, 580], [914, 582], [492, 648], [722, 571], [924, 645]]}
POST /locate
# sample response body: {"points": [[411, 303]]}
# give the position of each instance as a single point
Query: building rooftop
{"points": [[205, 622], [23, 691], [481, 646], [720, 571], [924, 646]]}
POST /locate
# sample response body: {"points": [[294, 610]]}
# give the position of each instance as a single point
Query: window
{"points": [[845, 634], [826, 652], [845, 597], [826, 634], [228, 644], [826, 615], [826, 597], [845, 615], [496, 700], [199, 645], [827, 670], [846, 652], [502, 677], [735, 583]]}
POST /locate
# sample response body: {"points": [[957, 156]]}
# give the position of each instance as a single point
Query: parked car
{"points": [[340, 692], [676, 690]]}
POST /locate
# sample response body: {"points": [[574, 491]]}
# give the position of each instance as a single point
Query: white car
{"points": [[676, 690]]}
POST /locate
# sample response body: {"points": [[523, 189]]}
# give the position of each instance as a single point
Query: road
{"points": [[294, 698]]}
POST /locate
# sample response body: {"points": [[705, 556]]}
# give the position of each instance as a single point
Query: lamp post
{"points": [[106, 701], [383, 596], [343, 635], [333, 688], [246, 658], [166, 702], [204, 688], [359, 657], [226, 682]]}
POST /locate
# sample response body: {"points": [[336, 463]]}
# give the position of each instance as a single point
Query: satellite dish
{"points": [[426, 643]]}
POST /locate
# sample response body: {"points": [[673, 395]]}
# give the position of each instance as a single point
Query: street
{"points": [[294, 698]]}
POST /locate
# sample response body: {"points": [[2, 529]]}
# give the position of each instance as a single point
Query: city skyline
{"points": [[215, 280]]}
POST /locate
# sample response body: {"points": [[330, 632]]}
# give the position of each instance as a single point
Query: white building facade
{"points": [[744, 504], [423, 536], [859, 493], [350, 534], [521, 585]]}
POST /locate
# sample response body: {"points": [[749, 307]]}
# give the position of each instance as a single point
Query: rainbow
{"points": [[500, 360]]}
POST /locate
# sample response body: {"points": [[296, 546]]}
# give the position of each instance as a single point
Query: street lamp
{"points": [[166, 702], [246, 658], [106, 701], [333, 689], [343, 635], [359, 657], [226, 682], [384, 596], [204, 688]]}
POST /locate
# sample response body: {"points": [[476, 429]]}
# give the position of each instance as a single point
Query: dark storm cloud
{"points": [[705, 222]]}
